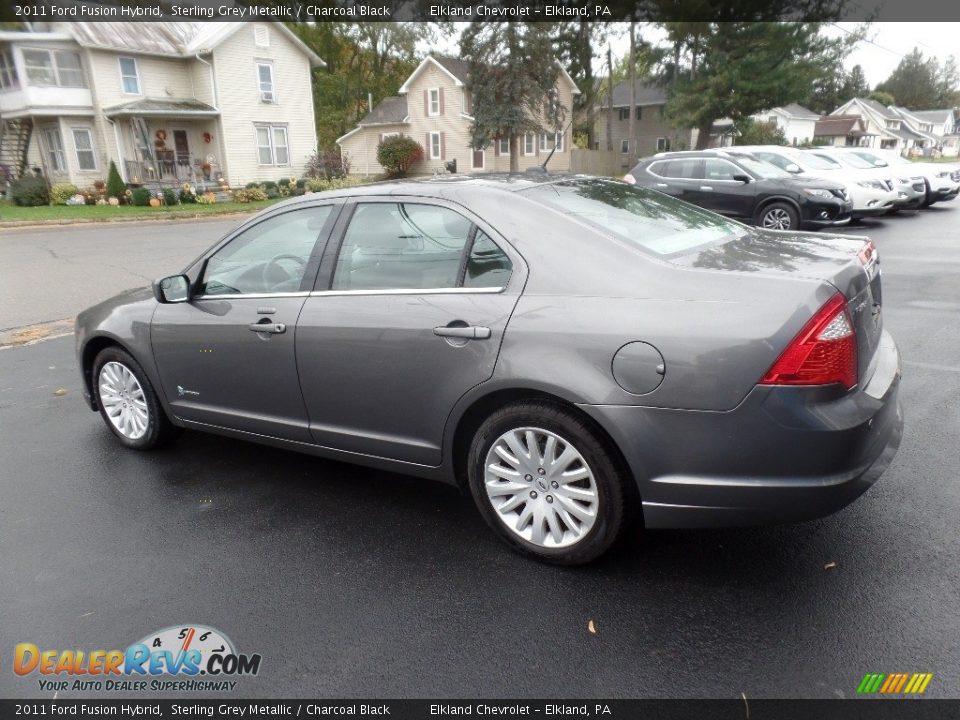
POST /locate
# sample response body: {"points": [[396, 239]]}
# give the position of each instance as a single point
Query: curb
{"points": [[15, 224]]}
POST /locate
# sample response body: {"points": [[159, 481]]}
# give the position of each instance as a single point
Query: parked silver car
{"points": [[569, 349]]}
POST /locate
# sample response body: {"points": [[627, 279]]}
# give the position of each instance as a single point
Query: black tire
{"points": [[601, 460], [159, 429], [783, 209]]}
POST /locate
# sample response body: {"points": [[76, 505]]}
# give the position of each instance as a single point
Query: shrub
{"points": [[61, 192], [208, 198], [30, 191], [398, 155], [251, 185], [254, 194], [269, 185], [140, 197], [115, 185], [170, 197], [188, 194], [319, 184], [328, 165]]}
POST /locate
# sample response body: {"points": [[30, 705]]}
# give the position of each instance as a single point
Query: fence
{"points": [[597, 162]]}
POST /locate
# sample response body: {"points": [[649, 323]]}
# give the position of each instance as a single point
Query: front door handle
{"points": [[470, 332], [272, 328], [662, 185]]}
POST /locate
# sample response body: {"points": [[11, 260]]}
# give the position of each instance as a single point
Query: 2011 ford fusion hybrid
{"points": [[574, 351]]}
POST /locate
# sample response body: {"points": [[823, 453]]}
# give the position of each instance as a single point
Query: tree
{"points": [[753, 132], [573, 43], [736, 69], [398, 154], [914, 81], [884, 98], [948, 80], [855, 84], [116, 187], [512, 79]]}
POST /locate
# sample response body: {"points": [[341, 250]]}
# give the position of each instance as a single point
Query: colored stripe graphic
{"points": [[894, 683]]}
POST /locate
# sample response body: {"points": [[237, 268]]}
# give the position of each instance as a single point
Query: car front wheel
{"points": [[547, 483], [778, 216], [127, 401]]}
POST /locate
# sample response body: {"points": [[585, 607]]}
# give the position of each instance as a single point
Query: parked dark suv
{"points": [[743, 187]]}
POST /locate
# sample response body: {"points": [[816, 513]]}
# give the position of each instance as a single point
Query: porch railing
{"points": [[165, 170]]}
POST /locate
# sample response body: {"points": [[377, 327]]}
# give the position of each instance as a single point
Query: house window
{"points": [[261, 36], [624, 146], [624, 113], [83, 144], [434, 104], [466, 103], [60, 68], [129, 76], [529, 147], [8, 71], [265, 82], [435, 148], [272, 146], [54, 147], [639, 112], [663, 144], [387, 136], [550, 140], [479, 159], [504, 146]]}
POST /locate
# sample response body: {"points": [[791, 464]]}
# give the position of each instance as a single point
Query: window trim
{"points": [[545, 146], [136, 75], [9, 76], [430, 92], [439, 136], [74, 129], [270, 127], [258, 63]]}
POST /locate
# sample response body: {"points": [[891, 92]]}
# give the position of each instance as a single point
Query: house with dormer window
{"points": [[884, 128], [434, 107], [167, 102]]}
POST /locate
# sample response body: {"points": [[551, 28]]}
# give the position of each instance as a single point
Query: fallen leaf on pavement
{"points": [[60, 391], [591, 627], [830, 566]]}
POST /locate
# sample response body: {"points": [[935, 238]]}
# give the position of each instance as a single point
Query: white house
{"points": [[938, 127], [164, 101], [433, 107], [884, 128], [795, 121]]}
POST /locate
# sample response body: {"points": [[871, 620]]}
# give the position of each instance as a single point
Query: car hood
{"points": [[806, 181]]}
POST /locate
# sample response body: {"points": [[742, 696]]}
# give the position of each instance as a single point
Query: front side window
{"points": [[265, 81], [129, 76], [434, 108], [654, 222], [83, 143], [60, 68], [272, 145], [719, 170], [54, 146], [270, 257], [402, 246]]}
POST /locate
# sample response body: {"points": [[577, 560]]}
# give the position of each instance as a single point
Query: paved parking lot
{"points": [[351, 582]]}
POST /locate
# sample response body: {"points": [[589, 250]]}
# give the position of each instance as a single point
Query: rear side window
{"points": [[647, 219], [412, 246], [689, 169]]}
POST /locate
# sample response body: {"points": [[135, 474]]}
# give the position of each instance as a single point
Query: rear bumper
{"points": [[782, 455]]}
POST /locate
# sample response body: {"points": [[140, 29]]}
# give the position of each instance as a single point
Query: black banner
{"points": [[742, 709]]}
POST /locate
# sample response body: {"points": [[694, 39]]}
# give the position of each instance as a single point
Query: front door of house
{"points": [[181, 147]]}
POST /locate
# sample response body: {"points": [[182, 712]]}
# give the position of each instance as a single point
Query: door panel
{"points": [[718, 191], [377, 379]]}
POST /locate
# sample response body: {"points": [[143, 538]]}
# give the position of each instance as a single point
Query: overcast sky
{"points": [[890, 41]]}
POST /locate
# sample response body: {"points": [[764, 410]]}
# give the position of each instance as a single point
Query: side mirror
{"points": [[173, 289], [742, 178], [793, 168]]}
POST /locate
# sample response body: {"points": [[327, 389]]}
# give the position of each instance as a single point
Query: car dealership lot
{"points": [[351, 582]]}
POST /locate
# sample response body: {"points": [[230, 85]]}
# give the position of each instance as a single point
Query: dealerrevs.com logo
{"points": [[179, 658]]}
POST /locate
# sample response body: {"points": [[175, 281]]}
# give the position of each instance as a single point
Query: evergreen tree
{"points": [[512, 79], [116, 187], [914, 82]]}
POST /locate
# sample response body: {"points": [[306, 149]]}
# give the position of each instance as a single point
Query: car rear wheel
{"points": [[778, 216], [547, 483], [127, 401]]}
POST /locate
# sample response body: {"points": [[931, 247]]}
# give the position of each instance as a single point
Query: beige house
{"points": [[884, 128], [433, 107], [167, 102]]}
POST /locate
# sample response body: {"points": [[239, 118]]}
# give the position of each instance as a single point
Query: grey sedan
{"points": [[571, 351]]}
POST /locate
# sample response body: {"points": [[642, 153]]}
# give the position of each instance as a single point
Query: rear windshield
{"points": [[652, 221]]}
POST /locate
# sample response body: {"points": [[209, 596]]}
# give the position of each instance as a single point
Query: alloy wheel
{"points": [[123, 400], [777, 219], [541, 487]]}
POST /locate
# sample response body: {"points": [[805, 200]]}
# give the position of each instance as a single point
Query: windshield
{"points": [[760, 168], [857, 162], [820, 162], [644, 218]]}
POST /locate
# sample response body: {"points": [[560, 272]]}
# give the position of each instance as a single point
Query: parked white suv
{"points": [[942, 180], [870, 196], [910, 186]]}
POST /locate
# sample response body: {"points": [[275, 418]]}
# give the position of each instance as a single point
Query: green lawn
{"points": [[81, 213]]}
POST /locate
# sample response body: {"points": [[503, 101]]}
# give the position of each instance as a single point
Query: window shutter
{"points": [[443, 143], [441, 101], [496, 147], [429, 147], [426, 103]]}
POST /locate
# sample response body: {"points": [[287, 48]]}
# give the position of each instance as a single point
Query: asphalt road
{"points": [[351, 582]]}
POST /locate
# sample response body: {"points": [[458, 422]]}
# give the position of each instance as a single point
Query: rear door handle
{"points": [[471, 332], [662, 185], [272, 328], [706, 187]]}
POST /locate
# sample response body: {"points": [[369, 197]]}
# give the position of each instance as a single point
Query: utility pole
{"points": [[632, 126], [609, 98]]}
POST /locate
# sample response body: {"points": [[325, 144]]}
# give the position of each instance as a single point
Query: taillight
{"points": [[822, 353], [628, 178]]}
